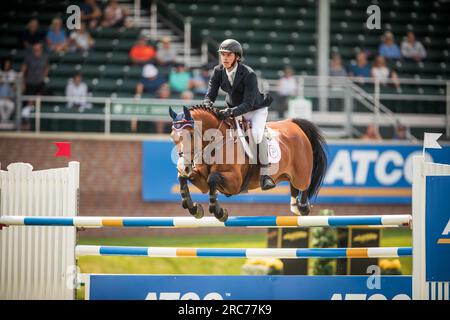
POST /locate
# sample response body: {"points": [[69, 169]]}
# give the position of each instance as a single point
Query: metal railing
{"points": [[106, 109], [349, 91]]}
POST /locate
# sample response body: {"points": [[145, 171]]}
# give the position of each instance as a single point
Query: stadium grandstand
{"points": [[130, 60]]}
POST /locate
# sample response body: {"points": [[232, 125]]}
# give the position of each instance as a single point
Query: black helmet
{"points": [[231, 45]]}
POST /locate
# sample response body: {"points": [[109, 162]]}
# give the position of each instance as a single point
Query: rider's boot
{"points": [[265, 181]]}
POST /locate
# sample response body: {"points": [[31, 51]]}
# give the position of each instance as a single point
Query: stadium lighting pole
{"points": [[323, 51]]}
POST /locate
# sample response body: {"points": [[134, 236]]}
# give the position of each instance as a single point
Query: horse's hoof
{"points": [[199, 213], [305, 209], [212, 209], [222, 215]]}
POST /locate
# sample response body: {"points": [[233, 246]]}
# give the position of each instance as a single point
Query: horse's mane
{"points": [[211, 110]]}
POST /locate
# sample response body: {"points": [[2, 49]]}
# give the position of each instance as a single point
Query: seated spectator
{"points": [[8, 74], [286, 88], [413, 49], [56, 37], [150, 82], [180, 79], [187, 95], [35, 70], [114, 15], [142, 52], [166, 54], [90, 13], [336, 67], [81, 40], [389, 49], [401, 132], [200, 80], [371, 133], [31, 35], [380, 72], [361, 69], [164, 91], [77, 92]]}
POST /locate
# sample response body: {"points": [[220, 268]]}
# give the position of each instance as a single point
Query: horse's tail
{"points": [[319, 155]]}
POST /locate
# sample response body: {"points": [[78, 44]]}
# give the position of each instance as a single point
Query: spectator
{"points": [[361, 69], [180, 79], [164, 91], [380, 72], [166, 55], [114, 15], [90, 13], [7, 79], [150, 82], [200, 80], [31, 35], [187, 95], [389, 49], [141, 52], [35, 70], [413, 49], [336, 67], [371, 133], [336, 70], [8, 74], [81, 40], [286, 88], [76, 93], [56, 37], [401, 132]]}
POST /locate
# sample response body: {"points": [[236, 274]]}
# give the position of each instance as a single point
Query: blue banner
{"points": [[357, 173], [156, 287], [437, 228]]}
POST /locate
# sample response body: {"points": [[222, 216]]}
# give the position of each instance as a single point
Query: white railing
{"points": [[348, 89], [109, 109]]}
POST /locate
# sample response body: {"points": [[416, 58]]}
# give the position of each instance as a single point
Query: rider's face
{"points": [[228, 59]]}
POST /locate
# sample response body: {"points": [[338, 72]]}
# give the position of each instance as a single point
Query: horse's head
{"points": [[188, 130], [182, 136]]}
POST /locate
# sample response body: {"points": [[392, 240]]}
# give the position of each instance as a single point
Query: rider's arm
{"points": [[250, 93], [213, 87]]}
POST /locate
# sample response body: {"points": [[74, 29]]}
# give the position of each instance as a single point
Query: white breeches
{"points": [[258, 119]]}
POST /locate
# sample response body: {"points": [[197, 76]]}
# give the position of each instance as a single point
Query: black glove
{"points": [[225, 114]]}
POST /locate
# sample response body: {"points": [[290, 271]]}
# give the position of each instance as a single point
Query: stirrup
{"points": [[266, 182]]}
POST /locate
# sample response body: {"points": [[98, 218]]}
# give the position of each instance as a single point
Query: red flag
{"points": [[63, 149]]}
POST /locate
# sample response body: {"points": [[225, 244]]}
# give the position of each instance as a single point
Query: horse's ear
{"points": [[187, 113], [172, 113]]}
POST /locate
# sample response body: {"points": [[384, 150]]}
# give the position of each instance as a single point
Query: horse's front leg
{"points": [[194, 208], [215, 179]]}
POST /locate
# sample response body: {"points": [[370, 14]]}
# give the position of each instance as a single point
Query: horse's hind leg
{"points": [[221, 214], [194, 209], [305, 207], [302, 207]]}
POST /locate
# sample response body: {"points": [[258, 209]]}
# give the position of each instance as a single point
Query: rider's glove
{"points": [[225, 114]]}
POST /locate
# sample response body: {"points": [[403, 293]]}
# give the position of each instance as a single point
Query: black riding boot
{"points": [[265, 181]]}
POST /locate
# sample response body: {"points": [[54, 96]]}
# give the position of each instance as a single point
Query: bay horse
{"points": [[303, 161]]}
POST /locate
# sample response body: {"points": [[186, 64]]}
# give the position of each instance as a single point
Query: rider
{"points": [[243, 98]]}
